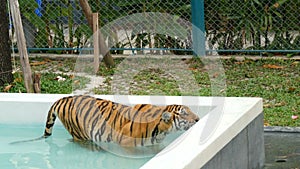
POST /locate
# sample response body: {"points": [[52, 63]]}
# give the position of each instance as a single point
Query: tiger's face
{"points": [[181, 117]]}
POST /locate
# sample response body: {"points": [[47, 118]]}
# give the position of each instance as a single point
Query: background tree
{"points": [[5, 53], [108, 59]]}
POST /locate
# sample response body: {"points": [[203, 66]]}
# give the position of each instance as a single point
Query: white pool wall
{"points": [[194, 149], [33, 108]]}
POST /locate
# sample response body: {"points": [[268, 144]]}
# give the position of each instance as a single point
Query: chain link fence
{"points": [[232, 27], [253, 26]]}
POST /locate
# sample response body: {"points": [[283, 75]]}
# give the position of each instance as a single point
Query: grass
{"points": [[50, 69], [277, 81], [49, 83], [153, 82]]}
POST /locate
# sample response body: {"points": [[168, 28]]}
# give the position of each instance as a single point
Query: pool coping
{"points": [[282, 129]]}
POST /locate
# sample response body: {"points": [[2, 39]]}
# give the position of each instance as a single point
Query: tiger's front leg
{"points": [[126, 137]]}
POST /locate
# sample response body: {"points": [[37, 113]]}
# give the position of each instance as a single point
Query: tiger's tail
{"points": [[48, 129], [50, 120], [30, 140]]}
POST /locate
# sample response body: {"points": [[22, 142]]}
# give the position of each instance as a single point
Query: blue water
{"points": [[57, 151]]}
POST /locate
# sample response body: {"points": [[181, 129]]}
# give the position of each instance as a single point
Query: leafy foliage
{"points": [[51, 25], [252, 24], [230, 25], [49, 84]]}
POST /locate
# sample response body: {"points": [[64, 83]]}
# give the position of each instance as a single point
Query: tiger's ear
{"points": [[166, 116]]}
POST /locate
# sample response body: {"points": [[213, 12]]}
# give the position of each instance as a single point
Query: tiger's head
{"points": [[181, 117], [149, 124]]}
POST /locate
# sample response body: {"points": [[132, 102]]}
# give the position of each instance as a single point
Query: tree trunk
{"points": [[5, 50], [108, 59]]}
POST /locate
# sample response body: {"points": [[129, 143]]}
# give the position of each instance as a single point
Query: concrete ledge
{"points": [[246, 150], [282, 129]]}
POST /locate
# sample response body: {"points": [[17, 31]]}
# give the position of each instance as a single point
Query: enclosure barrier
{"points": [[231, 27]]}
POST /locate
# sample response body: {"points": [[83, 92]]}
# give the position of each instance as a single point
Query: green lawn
{"points": [[277, 81]]}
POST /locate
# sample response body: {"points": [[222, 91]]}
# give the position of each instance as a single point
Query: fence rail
{"points": [[231, 27]]}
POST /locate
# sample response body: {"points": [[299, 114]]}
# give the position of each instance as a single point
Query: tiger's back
{"points": [[99, 120]]}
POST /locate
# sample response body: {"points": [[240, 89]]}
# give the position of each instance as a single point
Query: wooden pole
{"points": [[96, 41], [37, 82], [108, 59], [16, 16]]}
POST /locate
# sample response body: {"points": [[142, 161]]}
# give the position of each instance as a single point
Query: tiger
{"points": [[98, 120]]}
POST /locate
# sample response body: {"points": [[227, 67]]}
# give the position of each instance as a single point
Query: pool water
{"points": [[57, 151]]}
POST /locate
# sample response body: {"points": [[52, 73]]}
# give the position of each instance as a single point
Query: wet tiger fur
{"points": [[99, 120]]}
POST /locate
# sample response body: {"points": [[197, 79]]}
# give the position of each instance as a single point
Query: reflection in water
{"points": [[71, 156], [89, 155]]}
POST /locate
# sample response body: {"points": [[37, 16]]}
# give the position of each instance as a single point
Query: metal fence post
{"points": [[198, 28]]}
